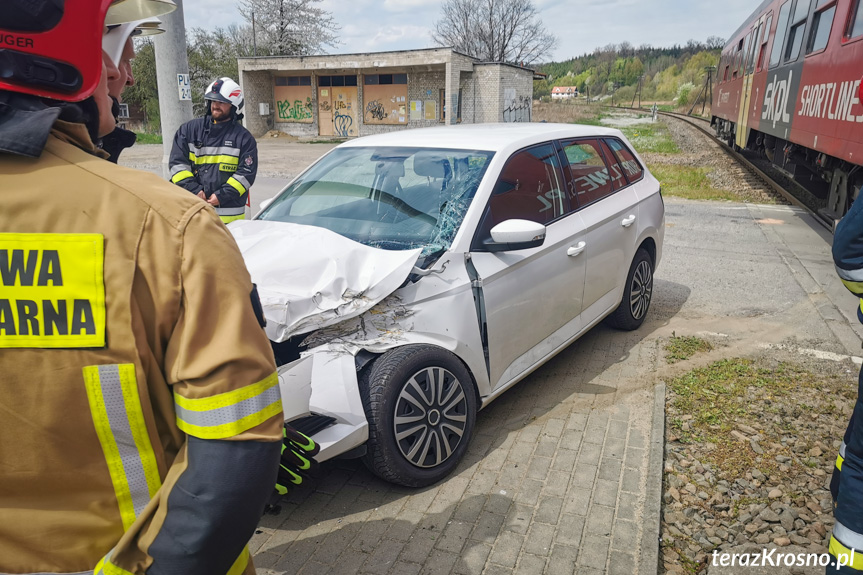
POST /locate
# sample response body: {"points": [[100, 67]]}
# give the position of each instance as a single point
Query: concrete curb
{"points": [[649, 563]]}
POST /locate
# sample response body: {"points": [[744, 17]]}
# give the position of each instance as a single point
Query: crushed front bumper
{"points": [[325, 383]]}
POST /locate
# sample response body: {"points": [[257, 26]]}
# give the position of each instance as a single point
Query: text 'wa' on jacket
{"points": [[218, 158], [138, 384]]}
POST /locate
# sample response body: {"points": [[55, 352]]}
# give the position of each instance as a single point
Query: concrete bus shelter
{"points": [[349, 95]]}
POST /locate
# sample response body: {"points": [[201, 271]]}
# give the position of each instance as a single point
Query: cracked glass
{"points": [[395, 198]]}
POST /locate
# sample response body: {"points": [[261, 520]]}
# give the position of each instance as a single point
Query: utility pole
{"points": [[172, 76], [254, 38], [707, 90], [637, 93], [710, 70]]}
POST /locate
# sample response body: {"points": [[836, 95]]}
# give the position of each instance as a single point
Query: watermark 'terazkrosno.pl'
{"points": [[775, 558]]}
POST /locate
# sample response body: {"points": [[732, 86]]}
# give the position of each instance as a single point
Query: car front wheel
{"points": [[421, 408], [637, 294]]}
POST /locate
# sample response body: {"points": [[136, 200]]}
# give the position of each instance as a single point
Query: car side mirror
{"points": [[514, 235], [265, 203]]}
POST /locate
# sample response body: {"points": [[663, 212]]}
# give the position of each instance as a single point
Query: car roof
{"points": [[490, 137]]}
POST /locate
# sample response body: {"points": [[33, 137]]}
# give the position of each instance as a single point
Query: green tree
{"points": [[541, 89], [145, 93]]}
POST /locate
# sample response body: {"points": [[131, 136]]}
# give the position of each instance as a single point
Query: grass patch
{"points": [[681, 348], [715, 397], [651, 138], [148, 138], [568, 112], [688, 182]]}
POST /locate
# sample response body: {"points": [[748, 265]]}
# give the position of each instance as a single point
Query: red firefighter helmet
{"points": [[53, 48]]}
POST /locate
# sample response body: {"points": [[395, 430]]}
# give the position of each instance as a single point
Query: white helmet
{"points": [[227, 91], [114, 39]]}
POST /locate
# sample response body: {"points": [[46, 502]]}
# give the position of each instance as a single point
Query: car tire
{"points": [[637, 294], [421, 408]]}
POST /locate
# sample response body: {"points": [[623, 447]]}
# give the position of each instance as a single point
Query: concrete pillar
{"points": [[171, 59], [257, 88], [453, 75]]}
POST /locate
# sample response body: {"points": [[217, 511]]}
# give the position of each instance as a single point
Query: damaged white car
{"points": [[410, 278]]}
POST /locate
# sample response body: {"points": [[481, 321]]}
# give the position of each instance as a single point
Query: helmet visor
{"points": [[216, 97], [39, 16]]}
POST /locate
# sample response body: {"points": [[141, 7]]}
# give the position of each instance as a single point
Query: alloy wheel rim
{"points": [[641, 290], [430, 417]]}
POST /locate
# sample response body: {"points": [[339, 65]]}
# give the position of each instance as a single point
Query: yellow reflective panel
{"points": [[240, 564], [52, 291]]}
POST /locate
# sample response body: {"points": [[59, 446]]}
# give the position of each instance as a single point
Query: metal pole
{"points": [[171, 60], [254, 37]]}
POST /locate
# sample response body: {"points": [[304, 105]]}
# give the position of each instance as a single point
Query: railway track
{"points": [[778, 190]]}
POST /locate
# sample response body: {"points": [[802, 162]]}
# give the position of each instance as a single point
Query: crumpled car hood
{"points": [[309, 277]]}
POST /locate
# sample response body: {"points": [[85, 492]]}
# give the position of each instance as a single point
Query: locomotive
{"points": [[789, 87]]}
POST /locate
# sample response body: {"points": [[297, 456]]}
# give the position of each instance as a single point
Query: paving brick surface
{"points": [[554, 482]]}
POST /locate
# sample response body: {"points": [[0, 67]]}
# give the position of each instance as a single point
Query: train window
{"points": [[764, 40], [738, 58], [855, 27], [798, 29], [756, 41], [821, 25], [747, 54], [779, 37]]}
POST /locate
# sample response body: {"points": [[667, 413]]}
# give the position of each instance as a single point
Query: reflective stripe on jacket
{"points": [[221, 159]]}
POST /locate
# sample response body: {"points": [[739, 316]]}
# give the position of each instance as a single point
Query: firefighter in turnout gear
{"points": [[215, 157], [142, 421], [846, 541]]}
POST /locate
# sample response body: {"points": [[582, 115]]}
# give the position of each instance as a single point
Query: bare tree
{"points": [[494, 30], [290, 27], [715, 43]]}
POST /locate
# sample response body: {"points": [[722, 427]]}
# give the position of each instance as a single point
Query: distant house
{"points": [[564, 92]]}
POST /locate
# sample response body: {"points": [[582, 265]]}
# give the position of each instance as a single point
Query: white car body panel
{"points": [[331, 380]]}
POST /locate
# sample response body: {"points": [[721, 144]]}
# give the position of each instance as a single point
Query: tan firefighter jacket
{"points": [[125, 324]]}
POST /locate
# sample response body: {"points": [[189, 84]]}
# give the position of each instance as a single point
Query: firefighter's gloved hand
{"points": [[298, 460]]}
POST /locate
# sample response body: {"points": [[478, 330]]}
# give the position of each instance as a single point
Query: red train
{"points": [[789, 86]]}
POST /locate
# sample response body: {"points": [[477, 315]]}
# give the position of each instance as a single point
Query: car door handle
{"points": [[626, 222], [576, 249]]}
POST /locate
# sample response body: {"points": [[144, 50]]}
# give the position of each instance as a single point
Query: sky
{"points": [[579, 25]]}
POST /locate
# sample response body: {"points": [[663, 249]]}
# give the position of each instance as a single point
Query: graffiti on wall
{"points": [[294, 111], [342, 124], [376, 109], [516, 108], [325, 106]]}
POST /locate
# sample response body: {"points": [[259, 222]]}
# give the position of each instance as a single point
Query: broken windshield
{"points": [[386, 197]]}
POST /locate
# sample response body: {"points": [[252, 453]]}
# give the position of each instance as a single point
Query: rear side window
{"points": [[618, 180], [779, 37], [631, 168], [590, 178], [530, 187]]}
